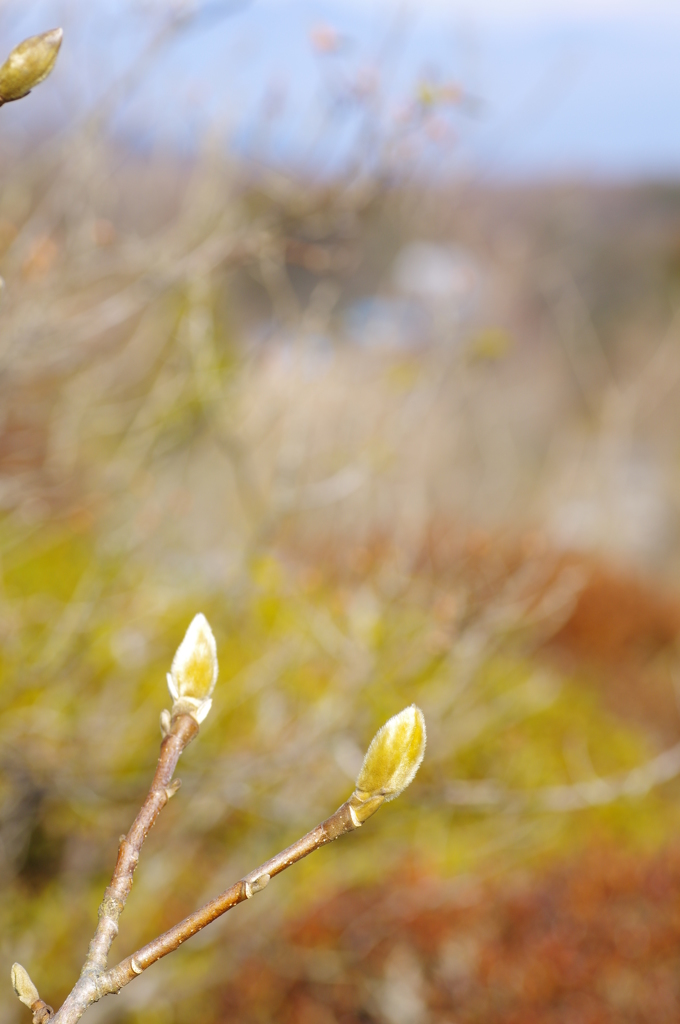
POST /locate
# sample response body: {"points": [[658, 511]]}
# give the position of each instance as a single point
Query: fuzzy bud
{"points": [[23, 986], [193, 675], [29, 64], [391, 762]]}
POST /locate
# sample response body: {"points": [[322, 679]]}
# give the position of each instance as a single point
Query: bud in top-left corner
{"points": [[29, 64]]}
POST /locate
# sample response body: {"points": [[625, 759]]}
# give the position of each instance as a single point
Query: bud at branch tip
{"points": [[23, 986], [391, 762], [192, 677], [29, 64]]}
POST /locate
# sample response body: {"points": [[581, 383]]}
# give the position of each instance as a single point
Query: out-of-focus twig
{"points": [[576, 796]]}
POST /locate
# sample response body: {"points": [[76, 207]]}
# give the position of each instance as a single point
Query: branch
{"points": [[339, 823], [390, 765], [191, 682], [391, 762], [182, 730]]}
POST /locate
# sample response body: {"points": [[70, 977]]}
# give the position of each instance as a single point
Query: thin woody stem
{"points": [[390, 764], [95, 984], [182, 730], [339, 823]]}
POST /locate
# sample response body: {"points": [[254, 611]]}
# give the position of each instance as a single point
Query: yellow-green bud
{"points": [[391, 762], [29, 64], [23, 986], [193, 675]]}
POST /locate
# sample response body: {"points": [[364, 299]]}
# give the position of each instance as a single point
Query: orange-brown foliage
{"points": [[596, 941], [616, 633]]}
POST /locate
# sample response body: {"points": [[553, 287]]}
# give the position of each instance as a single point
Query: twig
{"points": [[339, 824], [576, 796], [182, 730], [391, 762], [95, 982]]}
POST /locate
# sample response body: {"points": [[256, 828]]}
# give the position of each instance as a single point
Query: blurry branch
{"points": [[183, 18], [533, 603], [28, 65], [654, 382], [576, 334], [86, 327], [576, 796], [131, 300], [390, 764], [183, 729], [321, 493]]}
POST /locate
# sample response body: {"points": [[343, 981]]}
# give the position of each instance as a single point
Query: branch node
{"points": [[389, 766], [41, 1012], [353, 816], [257, 885], [171, 790]]}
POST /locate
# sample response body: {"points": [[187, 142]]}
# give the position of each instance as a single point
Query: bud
{"points": [[23, 986], [193, 675], [29, 64], [391, 762]]}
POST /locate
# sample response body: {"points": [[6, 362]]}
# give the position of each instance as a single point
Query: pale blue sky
{"points": [[579, 87]]}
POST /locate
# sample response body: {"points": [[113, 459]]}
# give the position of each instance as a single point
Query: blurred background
{"points": [[356, 327]]}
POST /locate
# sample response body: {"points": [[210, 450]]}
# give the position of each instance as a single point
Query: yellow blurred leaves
{"points": [[489, 345]]}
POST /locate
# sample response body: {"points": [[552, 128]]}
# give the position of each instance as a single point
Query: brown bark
{"points": [[88, 988], [182, 731], [95, 982], [332, 828]]}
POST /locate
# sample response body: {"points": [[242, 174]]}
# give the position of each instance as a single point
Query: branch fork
{"points": [[389, 766]]}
